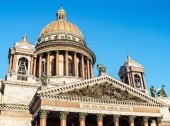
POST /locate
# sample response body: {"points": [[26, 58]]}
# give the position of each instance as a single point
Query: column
{"points": [[82, 66], [63, 118], [129, 80], [75, 64], [88, 69], [10, 63], [153, 122], [14, 63], [35, 61], [40, 65], [31, 67], [91, 69], [82, 118], [116, 120], [99, 119], [43, 118], [66, 63], [131, 120], [158, 120], [57, 63], [48, 64], [145, 121]]}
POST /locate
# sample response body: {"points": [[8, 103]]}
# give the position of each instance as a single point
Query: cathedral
{"points": [[52, 83]]}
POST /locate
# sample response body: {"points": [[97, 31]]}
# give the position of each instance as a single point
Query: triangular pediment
{"points": [[104, 91], [24, 45], [103, 87]]}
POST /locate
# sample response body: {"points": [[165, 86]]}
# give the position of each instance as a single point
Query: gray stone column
{"points": [[91, 70], [100, 119], [57, 63], [34, 73], [158, 121], [48, 64], [63, 118], [145, 121], [31, 66], [82, 118], [43, 118], [75, 64], [10, 63], [40, 65], [116, 120], [82, 66], [14, 63], [131, 121], [88, 69], [66, 63]]}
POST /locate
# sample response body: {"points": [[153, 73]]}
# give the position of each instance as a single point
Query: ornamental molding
{"points": [[22, 84], [14, 107], [56, 91]]}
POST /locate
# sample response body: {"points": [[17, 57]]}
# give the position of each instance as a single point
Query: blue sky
{"points": [[112, 29]]}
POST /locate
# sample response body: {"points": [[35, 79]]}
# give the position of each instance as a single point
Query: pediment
{"points": [[24, 45], [102, 87], [104, 91]]}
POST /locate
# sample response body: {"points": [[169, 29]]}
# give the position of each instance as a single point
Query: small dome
{"points": [[61, 25]]}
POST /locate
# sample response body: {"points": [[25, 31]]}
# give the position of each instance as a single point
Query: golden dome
{"points": [[62, 25]]}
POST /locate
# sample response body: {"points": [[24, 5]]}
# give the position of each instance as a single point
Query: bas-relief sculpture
{"points": [[103, 91]]}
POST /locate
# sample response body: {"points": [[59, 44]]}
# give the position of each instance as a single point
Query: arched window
{"points": [[137, 80], [22, 69], [71, 67], [53, 67]]}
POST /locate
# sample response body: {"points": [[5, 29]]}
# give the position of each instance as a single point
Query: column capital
{"points": [[145, 119], [43, 114], [131, 118], [63, 115], [100, 117], [49, 52], [159, 120], [82, 116], [116, 117]]}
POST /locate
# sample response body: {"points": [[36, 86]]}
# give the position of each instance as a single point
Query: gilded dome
{"points": [[61, 25]]}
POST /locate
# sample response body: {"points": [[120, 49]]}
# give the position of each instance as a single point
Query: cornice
{"points": [[22, 84], [14, 107]]}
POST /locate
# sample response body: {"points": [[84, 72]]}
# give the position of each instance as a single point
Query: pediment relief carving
{"points": [[105, 91]]}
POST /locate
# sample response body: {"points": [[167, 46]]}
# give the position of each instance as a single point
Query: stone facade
{"points": [[52, 83]]}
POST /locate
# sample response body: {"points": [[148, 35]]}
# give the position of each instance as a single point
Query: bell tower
{"points": [[132, 73], [21, 62]]}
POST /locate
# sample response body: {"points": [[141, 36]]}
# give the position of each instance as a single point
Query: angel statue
{"points": [[101, 68], [153, 91], [161, 92], [44, 79]]}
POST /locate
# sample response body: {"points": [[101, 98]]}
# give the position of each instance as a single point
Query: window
{"points": [[79, 69], [22, 69], [137, 80]]}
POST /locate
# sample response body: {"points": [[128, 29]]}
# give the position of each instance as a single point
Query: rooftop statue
{"points": [[101, 68], [161, 92], [153, 91]]}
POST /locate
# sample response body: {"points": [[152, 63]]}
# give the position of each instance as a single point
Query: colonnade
{"points": [[99, 119], [81, 66]]}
